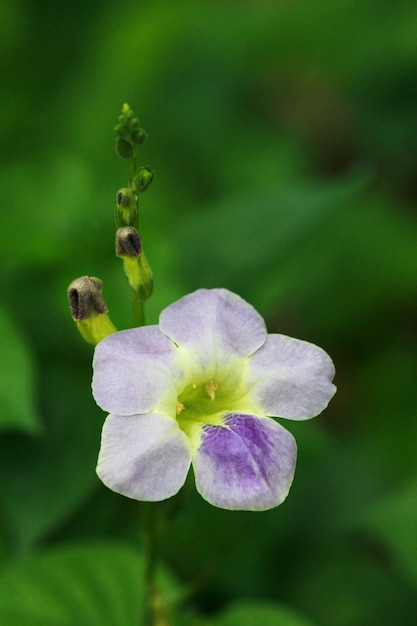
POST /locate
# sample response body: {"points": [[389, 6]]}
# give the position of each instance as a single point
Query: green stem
{"points": [[138, 310], [132, 169], [154, 609]]}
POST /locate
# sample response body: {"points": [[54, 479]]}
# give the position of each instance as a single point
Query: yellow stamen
{"points": [[211, 389]]}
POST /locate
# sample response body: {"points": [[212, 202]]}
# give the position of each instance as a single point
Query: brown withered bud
{"points": [[85, 299], [128, 242]]}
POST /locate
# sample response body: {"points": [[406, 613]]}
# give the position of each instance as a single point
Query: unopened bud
{"points": [[122, 130], [126, 213], [138, 136], [126, 110], [142, 179], [124, 149], [139, 275]]}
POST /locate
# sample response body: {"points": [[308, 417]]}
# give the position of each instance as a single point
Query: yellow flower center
{"points": [[208, 401]]}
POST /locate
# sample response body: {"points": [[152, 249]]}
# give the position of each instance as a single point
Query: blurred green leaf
{"points": [[383, 407], [48, 225], [390, 523], [238, 240], [341, 582], [84, 584], [260, 614], [360, 264], [43, 481], [17, 380]]}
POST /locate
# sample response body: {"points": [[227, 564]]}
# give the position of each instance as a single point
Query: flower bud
{"points": [[138, 136], [139, 275], [122, 130], [142, 179], [136, 267], [124, 149], [89, 310], [134, 123], [126, 212], [126, 114]]}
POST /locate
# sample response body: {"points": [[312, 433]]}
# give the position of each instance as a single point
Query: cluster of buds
{"points": [[87, 305], [129, 134]]}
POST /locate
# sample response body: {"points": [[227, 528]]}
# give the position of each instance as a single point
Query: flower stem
{"points": [[155, 614], [132, 169], [138, 309]]}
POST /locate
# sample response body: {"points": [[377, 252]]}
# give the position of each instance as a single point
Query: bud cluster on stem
{"points": [[87, 305]]}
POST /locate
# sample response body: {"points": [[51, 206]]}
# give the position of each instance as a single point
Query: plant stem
{"points": [[132, 169], [154, 610], [138, 310]]}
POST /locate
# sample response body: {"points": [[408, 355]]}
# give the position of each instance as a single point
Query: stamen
{"points": [[211, 389], [180, 407]]}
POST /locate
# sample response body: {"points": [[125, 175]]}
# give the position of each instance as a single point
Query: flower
{"points": [[202, 388]]}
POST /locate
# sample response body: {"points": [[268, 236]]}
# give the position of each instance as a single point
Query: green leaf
{"points": [[260, 614], [391, 524], [18, 409], [89, 585], [241, 239], [51, 217], [52, 475]]}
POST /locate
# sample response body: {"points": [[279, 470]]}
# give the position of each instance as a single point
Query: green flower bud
{"points": [[124, 149], [127, 112], [135, 264], [126, 212], [122, 130], [142, 179], [89, 310], [139, 275], [134, 123], [138, 136]]}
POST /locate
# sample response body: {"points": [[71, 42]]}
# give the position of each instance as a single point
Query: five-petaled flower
{"points": [[201, 387]]}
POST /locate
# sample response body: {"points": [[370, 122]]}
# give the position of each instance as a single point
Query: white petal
{"points": [[145, 457], [290, 378], [215, 324], [135, 371]]}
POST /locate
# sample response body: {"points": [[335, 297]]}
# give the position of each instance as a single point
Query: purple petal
{"points": [[145, 457], [247, 464], [216, 324], [134, 371], [291, 378]]}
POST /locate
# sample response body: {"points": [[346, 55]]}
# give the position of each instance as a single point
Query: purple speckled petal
{"points": [[247, 464], [290, 378], [216, 324], [134, 371], [145, 457]]}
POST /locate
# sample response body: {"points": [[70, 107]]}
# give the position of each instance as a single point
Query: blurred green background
{"points": [[284, 139]]}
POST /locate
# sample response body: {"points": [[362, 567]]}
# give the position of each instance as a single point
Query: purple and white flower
{"points": [[201, 388]]}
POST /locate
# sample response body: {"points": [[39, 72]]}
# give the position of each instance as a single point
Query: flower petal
{"points": [[145, 457], [291, 378], [215, 323], [134, 371], [247, 464]]}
